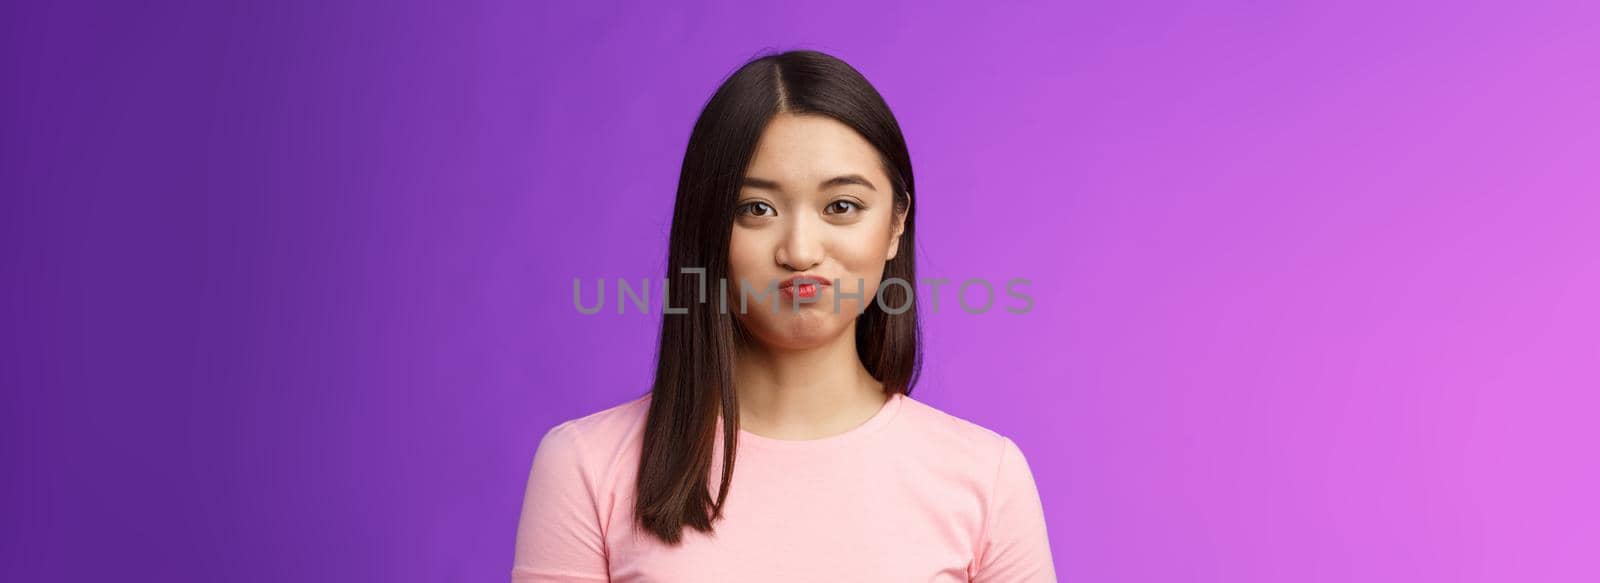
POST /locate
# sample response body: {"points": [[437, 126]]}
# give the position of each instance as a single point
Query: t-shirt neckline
{"points": [[885, 413]]}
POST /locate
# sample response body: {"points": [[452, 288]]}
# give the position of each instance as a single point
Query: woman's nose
{"points": [[801, 248]]}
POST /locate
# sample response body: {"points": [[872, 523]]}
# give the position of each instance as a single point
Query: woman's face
{"points": [[815, 202]]}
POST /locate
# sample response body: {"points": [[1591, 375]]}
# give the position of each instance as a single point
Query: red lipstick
{"points": [[804, 286]]}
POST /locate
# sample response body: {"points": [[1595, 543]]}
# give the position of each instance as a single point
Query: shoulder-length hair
{"points": [[693, 378]]}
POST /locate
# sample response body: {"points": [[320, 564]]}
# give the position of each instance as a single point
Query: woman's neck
{"points": [[805, 393]]}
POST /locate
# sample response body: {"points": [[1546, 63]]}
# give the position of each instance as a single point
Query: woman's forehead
{"points": [[806, 151]]}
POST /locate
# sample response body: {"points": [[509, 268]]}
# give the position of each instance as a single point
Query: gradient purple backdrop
{"points": [[289, 284]]}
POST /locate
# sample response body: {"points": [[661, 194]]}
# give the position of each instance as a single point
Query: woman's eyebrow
{"points": [[847, 179], [762, 183]]}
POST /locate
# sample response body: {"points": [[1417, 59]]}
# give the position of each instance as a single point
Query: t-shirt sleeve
{"points": [[1015, 547], [558, 532]]}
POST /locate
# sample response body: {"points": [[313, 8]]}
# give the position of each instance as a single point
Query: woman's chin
{"points": [[800, 331]]}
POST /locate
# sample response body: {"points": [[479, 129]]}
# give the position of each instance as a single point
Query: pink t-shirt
{"points": [[912, 494]]}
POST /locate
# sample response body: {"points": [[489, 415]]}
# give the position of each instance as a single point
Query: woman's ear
{"points": [[898, 229]]}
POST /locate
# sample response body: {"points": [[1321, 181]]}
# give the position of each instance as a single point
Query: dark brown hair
{"points": [[693, 379]]}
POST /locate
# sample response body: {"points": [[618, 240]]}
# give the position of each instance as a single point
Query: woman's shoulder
{"points": [[600, 438], [616, 418], [985, 460], [951, 434]]}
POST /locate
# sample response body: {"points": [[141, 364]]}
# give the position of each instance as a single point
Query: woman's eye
{"points": [[840, 207], [756, 209]]}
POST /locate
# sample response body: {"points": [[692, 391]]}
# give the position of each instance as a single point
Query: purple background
{"points": [[288, 285]]}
